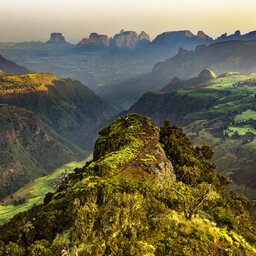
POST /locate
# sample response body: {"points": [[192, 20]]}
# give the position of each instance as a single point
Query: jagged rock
{"points": [[207, 74], [56, 38], [95, 40], [237, 36]]}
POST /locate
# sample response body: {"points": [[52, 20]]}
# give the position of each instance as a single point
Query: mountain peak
{"points": [[238, 33], [144, 36], [95, 40], [56, 37], [130, 148], [202, 35]]}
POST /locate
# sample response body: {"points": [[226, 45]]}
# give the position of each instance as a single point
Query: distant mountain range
{"points": [[223, 57], [131, 40], [100, 60]]}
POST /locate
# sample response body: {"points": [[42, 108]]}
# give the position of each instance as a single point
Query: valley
{"points": [[33, 192]]}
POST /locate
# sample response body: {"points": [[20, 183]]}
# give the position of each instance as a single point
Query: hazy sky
{"points": [[26, 20]]}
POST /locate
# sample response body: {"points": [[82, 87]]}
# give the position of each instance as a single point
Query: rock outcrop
{"points": [[203, 36], [144, 36], [130, 148], [129, 40], [56, 37], [94, 41], [125, 40]]}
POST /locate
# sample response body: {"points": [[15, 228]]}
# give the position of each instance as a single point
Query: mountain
{"points": [[127, 201], [56, 38], [222, 57], [29, 149], [10, 67], [237, 36], [125, 40], [180, 39], [129, 40], [220, 112], [66, 106], [95, 41]]}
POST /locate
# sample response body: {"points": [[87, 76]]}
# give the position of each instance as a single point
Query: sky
{"points": [[34, 20]]}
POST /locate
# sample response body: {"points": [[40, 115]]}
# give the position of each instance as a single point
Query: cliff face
{"points": [[95, 41], [237, 36], [129, 40]]}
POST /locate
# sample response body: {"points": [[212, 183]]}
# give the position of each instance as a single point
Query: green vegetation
{"points": [[245, 116], [231, 131], [221, 113], [96, 212], [45, 122], [26, 83], [29, 149], [33, 192]]}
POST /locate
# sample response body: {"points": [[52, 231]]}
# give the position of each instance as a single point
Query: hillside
{"points": [[33, 192], [66, 106], [10, 67], [29, 148], [222, 57], [219, 112], [127, 201]]}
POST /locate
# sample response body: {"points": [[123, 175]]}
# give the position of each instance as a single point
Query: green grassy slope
{"points": [[33, 192]]}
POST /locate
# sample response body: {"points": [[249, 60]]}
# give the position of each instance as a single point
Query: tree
{"points": [[193, 198]]}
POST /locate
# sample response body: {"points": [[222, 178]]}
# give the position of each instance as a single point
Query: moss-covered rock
{"points": [[130, 148]]}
